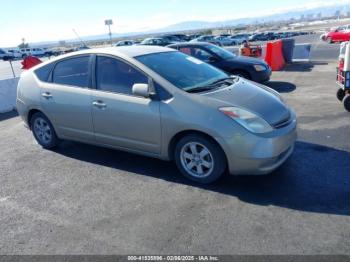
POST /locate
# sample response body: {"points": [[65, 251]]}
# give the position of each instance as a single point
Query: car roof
{"points": [[120, 51], [190, 44]]}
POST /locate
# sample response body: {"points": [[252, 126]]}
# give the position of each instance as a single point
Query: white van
{"points": [[32, 51], [15, 52]]}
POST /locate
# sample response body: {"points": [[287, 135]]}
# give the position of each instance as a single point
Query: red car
{"points": [[338, 35]]}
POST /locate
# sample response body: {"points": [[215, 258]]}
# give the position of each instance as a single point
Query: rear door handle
{"points": [[99, 104], [47, 95]]}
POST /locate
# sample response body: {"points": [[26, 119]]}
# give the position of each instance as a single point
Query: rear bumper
{"points": [[252, 154]]}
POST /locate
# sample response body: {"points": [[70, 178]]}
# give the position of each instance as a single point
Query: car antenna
{"points": [[81, 40]]}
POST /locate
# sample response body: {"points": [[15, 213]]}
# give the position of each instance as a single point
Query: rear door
{"points": [[66, 99], [121, 119]]}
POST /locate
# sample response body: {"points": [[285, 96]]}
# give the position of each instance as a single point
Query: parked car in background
{"points": [[170, 39], [32, 51], [224, 41], [206, 38], [194, 36], [153, 41], [270, 36], [258, 37], [5, 55], [175, 38], [15, 52], [125, 43], [239, 38], [247, 67], [160, 103], [338, 35], [156, 41]]}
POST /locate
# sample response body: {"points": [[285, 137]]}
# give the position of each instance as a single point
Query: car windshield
{"points": [[183, 71], [223, 53]]}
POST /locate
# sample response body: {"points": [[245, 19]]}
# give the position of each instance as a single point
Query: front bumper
{"points": [[253, 154], [263, 76]]}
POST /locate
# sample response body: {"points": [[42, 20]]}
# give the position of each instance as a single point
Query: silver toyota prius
{"points": [[161, 103]]}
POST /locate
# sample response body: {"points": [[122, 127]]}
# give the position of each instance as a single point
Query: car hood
{"points": [[258, 99], [247, 60]]}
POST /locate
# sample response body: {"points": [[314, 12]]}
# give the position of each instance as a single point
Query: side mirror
{"points": [[141, 90]]}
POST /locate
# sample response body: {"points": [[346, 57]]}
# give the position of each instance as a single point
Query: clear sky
{"points": [[42, 20]]}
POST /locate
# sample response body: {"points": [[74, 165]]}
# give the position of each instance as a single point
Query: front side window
{"points": [[72, 72], [223, 53], [116, 76], [183, 71], [201, 54]]}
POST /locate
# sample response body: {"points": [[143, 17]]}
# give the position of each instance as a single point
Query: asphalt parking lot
{"points": [[81, 199]]}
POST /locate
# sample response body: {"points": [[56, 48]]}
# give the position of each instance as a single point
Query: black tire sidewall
{"points": [[54, 140], [346, 102], [340, 94], [217, 154]]}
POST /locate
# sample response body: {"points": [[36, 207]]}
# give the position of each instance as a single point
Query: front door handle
{"points": [[99, 104], [46, 95]]}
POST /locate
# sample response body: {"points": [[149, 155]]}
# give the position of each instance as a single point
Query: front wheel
{"points": [[200, 159], [43, 131], [346, 102]]}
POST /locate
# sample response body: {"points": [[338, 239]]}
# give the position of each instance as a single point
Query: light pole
{"points": [[108, 23]]}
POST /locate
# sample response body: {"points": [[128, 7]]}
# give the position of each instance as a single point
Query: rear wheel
{"points": [[200, 159], [43, 131], [340, 94], [346, 102]]}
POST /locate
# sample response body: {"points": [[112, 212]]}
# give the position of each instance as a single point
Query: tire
{"points": [[346, 102], [340, 94], [243, 74], [43, 131], [329, 40], [202, 169]]}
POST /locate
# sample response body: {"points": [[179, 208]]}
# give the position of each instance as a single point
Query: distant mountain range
{"points": [[325, 11]]}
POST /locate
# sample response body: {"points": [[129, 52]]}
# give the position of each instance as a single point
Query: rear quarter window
{"points": [[43, 73]]}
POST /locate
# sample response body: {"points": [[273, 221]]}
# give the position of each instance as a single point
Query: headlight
{"points": [[260, 68], [248, 120]]}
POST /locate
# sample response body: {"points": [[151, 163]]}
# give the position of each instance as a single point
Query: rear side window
{"points": [[72, 72], [43, 73], [116, 76]]}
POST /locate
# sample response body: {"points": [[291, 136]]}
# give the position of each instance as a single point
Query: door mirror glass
{"points": [[141, 90]]}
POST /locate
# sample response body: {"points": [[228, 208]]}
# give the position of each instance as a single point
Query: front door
{"points": [[121, 119]]}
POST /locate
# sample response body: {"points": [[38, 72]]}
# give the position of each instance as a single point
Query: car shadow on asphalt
{"points": [[8, 115], [281, 86], [303, 66], [314, 179]]}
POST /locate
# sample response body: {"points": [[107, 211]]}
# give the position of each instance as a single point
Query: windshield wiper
{"points": [[200, 89], [220, 81], [210, 86]]}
